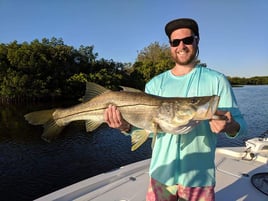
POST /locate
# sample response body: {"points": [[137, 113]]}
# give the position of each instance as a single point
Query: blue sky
{"points": [[234, 33]]}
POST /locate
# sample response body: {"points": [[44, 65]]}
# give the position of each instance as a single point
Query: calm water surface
{"points": [[30, 167]]}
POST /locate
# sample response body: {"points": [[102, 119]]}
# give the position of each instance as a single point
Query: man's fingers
{"points": [[112, 116]]}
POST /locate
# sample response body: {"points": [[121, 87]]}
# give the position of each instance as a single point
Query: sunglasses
{"points": [[187, 41]]}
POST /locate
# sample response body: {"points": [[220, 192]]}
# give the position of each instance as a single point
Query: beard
{"points": [[189, 59]]}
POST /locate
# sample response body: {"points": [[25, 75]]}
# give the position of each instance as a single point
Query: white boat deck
{"points": [[233, 176], [130, 182], [126, 183]]}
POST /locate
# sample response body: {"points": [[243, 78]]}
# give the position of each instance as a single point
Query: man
{"points": [[182, 166]]}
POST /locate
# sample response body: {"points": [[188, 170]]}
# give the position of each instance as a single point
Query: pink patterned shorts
{"points": [[161, 192]]}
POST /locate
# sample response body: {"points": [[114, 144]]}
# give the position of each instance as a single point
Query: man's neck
{"points": [[180, 70]]}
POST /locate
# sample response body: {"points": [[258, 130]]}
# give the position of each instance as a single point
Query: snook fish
{"points": [[149, 113]]}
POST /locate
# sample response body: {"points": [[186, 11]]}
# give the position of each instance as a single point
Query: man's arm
{"points": [[229, 126]]}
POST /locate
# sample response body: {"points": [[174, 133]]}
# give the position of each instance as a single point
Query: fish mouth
{"points": [[207, 110]]}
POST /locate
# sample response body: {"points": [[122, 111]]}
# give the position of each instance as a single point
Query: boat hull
{"points": [[234, 169]]}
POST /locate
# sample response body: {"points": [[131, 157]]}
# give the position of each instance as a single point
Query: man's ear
{"points": [[197, 40]]}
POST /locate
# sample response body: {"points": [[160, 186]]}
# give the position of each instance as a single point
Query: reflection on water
{"points": [[30, 167], [253, 104]]}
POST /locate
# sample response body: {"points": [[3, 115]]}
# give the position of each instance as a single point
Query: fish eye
{"points": [[194, 100]]}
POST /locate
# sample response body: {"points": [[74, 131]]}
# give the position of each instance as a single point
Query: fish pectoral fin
{"points": [[92, 125], [153, 141], [138, 137], [155, 129], [51, 130]]}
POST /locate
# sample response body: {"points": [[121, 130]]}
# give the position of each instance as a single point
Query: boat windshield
{"points": [[260, 182]]}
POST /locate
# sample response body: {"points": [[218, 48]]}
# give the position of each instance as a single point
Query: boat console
{"points": [[258, 145]]}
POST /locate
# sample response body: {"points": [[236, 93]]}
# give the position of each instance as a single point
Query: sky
{"points": [[233, 33]]}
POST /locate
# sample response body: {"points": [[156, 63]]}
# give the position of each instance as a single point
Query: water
{"points": [[30, 167], [253, 104]]}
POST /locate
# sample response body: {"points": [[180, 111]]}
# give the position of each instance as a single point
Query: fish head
{"points": [[195, 108], [205, 107], [180, 115], [175, 113], [183, 113]]}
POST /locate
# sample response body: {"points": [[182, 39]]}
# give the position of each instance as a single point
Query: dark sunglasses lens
{"points": [[175, 42], [186, 41]]}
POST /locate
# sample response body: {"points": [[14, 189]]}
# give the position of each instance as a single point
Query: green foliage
{"points": [[259, 80], [50, 69], [152, 60], [13, 84]]}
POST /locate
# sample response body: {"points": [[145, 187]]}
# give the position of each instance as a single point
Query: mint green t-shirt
{"points": [[188, 159]]}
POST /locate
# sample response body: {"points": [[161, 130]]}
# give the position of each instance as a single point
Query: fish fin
{"points": [[138, 137], [45, 118], [129, 89], [51, 130], [153, 141], [92, 125], [39, 117], [125, 133], [155, 128], [92, 90]]}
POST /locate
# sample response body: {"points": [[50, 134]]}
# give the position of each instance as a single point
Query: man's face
{"points": [[183, 54]]}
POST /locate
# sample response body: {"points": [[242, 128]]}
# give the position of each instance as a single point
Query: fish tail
{"points": [[39, 117], [45, 118]]}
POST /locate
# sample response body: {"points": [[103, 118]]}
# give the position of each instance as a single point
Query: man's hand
{"points": [[229, 126], [114, 119]]}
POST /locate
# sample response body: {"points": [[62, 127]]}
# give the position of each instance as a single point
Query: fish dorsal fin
{"points": [[129, 89], [92, 90]]}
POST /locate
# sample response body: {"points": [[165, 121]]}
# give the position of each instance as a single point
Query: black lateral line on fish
{"points": [[103, 109]]}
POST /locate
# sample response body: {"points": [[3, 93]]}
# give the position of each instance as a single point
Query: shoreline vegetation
{"points": [[48, 70]]}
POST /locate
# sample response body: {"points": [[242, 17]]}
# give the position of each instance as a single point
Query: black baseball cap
{"points": [[181, 23]]}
